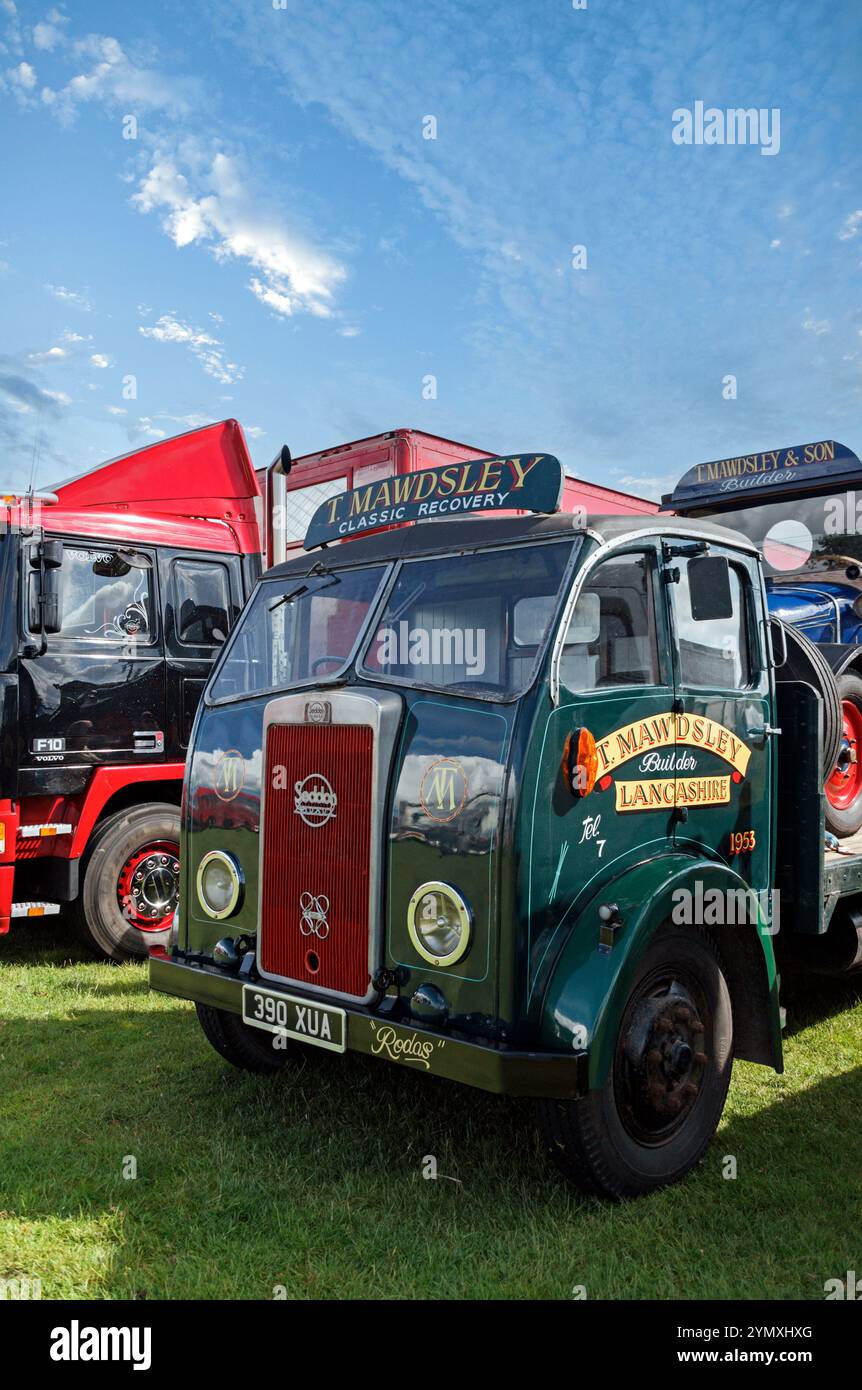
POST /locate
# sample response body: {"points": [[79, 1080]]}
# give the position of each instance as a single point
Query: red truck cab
{"points": [[116, 599]]}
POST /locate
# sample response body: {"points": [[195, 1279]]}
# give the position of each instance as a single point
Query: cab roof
{"points": [[436, 537]]}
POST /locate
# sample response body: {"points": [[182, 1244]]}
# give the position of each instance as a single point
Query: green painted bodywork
{"points": [[534, 862]]}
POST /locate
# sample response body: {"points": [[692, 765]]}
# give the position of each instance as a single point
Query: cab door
{"points": [[724, 743], [616, 684], [96, 694], [203, 596]]}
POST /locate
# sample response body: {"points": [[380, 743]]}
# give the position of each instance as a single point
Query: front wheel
{"points": [[131, 877], [660, 1105], [844, 788], [250, 1049]]}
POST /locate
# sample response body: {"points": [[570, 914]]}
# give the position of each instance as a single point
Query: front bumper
{"points": [[505, 1070]]}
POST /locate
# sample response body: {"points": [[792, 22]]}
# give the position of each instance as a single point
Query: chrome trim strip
{"points": [[381, 710]]}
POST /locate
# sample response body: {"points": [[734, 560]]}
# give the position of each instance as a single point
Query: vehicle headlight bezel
{"points": [[460, 917], [237, 883]]}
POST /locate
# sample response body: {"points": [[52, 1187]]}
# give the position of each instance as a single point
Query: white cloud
{"points": [[47, 33], [813, 325], [254, 431], [208, 350], [80, 301], [53, 354], [212, 204], [189, 422], [23, 76], [349, 331], [851, 226], [21, 80], [116, 410], [67, 336], [99, 359], [775, 243], [116, 80], [60, 397], [146, 428]]}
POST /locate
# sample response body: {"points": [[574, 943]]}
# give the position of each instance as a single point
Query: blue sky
{"points": [[280, 243]]}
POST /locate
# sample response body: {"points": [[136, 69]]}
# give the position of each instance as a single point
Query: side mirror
{"points": [[45, 603], [709, 588]]}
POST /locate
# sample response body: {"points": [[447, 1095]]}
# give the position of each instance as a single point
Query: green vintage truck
{"points": [[518, 800]]}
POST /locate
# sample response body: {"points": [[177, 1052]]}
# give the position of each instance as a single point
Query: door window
{"points": [[103, 597], [202, 603], [714, 653], [625, 651]]}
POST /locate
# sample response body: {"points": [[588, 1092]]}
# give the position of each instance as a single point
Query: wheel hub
{"points": [[148, 885], [663, 1062], [845, 783]]}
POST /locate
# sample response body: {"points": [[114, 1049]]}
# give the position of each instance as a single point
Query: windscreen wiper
{"points": [[318, 571]]}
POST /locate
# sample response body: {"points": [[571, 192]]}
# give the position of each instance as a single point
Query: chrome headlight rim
{"points": [[237, 883], [465, 918]]}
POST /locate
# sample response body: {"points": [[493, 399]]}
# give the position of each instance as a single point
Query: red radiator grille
{"points": [[316, 853]]}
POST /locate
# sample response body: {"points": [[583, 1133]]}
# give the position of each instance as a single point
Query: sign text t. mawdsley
{"points": [[523, 482]]}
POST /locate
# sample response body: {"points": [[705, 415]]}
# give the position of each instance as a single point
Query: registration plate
{"points": [[318, 1024]]}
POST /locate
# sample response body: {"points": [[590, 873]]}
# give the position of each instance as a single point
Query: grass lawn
{"points": [[313, 1180]]}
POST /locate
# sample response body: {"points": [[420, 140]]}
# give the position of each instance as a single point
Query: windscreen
{"points": [[297, 629], [473, 622]]}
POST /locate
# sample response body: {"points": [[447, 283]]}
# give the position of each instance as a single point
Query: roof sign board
{"points": [[522, 482], [750, 477]]}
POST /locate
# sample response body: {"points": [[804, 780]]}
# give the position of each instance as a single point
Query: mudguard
{"points": [[589, 985], [842, 656]]}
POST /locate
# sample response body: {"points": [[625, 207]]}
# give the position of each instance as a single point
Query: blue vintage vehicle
{"points": [[803, 508]]}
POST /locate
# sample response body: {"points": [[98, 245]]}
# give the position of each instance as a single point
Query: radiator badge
{"points": [[314, 800], [443, 790], [404, 1047], [313, 915], [229, 775]]}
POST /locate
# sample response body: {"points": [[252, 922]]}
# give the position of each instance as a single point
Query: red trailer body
{"points": [[313, 478]]}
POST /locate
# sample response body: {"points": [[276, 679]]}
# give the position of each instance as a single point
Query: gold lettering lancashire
{"points": [[666, 792]]}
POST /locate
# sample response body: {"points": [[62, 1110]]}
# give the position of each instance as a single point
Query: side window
{"points": [[611, 639], [103, 597], [714, 653], [202, 602]]}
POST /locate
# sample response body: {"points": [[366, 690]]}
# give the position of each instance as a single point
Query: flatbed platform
{"points": [[842, 872], [852, 845]]}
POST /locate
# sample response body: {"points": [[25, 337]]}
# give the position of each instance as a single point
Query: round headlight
{"points": [[219, 884], [438, 920]]}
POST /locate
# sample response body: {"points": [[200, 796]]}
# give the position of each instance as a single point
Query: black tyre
{"points": [[806, 663], [666, 1087], [130, 881], [250, 1049], [844, 787]]}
